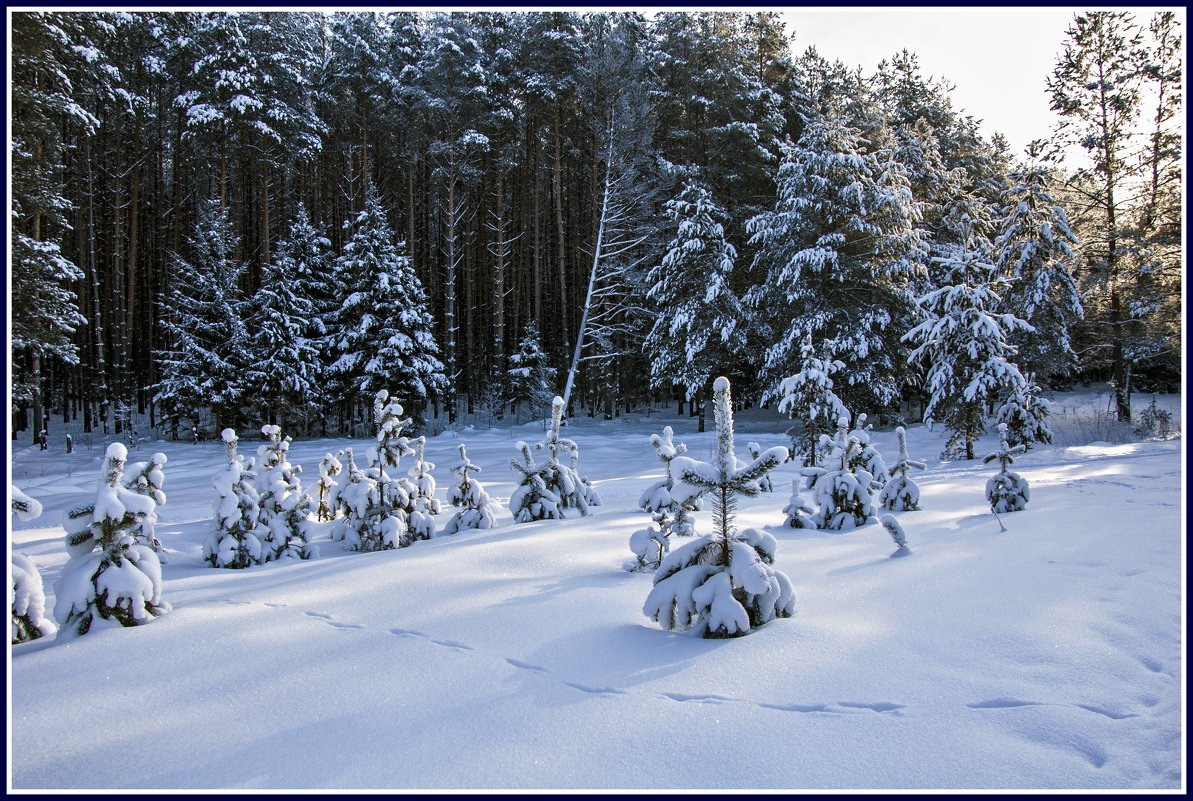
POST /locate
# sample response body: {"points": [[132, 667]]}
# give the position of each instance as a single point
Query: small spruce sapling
{"points": [[111, 578], [722, 584], [285, 508], [422, 495], [809, 396], [27, 593], [563, 480], [147, 478], [238, 538], [477, 509], [1026, 414], [329, 467], [901, 493], [671, 517], [1006, 490], [842, 489], [799, 514], [868, 456], [531, 500], [763, 483]]}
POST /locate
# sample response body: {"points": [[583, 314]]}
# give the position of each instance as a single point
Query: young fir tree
{"points": [[238, 540], [808, 395], [285, 508], [381, 333], [329, 467], [111, 578], [842, 489], [692, 295], [26, 593], [204, 364], [352, 495], [963, 343], [477, 508], [901, 493], [380, 506], [1025, 413], [722, 584], [531, 500], [798, 512], [670, 516], [1007, 491], [764, 483], [422, 494], [529, 379], [868, 457], [564, 480], [897, 535], [147, 478]]}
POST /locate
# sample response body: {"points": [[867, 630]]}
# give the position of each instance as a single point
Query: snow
{"points": [[1046, 656]]}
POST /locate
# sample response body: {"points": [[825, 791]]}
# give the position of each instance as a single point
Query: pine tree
{"points": [[285, 508], [111, 578], [25, 507], [329, 467], [901, 493], [147, 478], [834, 260], [204, 364], [868, 457], [477, 510], [809, 396], [1034, 251], [529, 379], [1025, 413], [671, 517], [381, 333], [531, 500], [380, 506], [1007, 491], [422, 493], [691, 292], [238, 539], [722, 584], [964, 345], [564, 480], [842, 489], [891, 524], [27, 598]]}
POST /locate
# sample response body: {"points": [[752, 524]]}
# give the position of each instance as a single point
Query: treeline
{"points": [[528, 167]]}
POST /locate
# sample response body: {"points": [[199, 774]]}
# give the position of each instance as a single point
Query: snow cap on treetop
{"points": [[117, 452], [721, 384], [557, 401], [269, 430], [228, 435]]}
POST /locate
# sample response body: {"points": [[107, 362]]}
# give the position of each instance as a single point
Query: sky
{"points": [[997, 59]]}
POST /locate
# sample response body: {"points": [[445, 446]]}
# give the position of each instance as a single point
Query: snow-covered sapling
{"points": [[285, 508], [238, 538], [424, 483], [111, 578], [378, 507], [808, 395], [563, 480], [900, 493], [531, 500], [1006, 490], [868, 456], [28, 601], [896, 531], [763, 483], [329, 467], [799, 514], [842, 489], [477, 509], [722, 584], [1026, 414], [147, 478], [671, 517]]}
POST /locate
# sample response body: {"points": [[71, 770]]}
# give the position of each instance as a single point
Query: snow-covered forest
{"points": [[227, 219]]}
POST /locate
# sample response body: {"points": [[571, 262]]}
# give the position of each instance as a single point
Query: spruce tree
{"points": [[531, 499], [843, 489], [564, 480], [285, 508], [722, 584], [1025, 413], [329, 467], [476, 508], [1007, 491], [963, 344], [808, 395], [111, 578], [28, 601], [530, 378], [238, 538], [650, 544], [147, 478], [901, 493]]}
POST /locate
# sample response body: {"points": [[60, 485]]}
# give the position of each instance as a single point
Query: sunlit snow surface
{"points": [[1045, 656]]}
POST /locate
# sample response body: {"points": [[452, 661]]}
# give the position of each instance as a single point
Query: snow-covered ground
{"points": [[1049, 655]]}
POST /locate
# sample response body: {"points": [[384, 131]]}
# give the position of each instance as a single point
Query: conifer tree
{"points": [[1025, 413], [111, 578], [531, 500], [901, 493], [27, 598], [327, 486], [238, 539], [808, 395], [529, 379], [669, 516], [963, 343], [25, 507], [891, 524], [868, 456], [722, 584], [764, 483], [564, 480], [1007, 491], [842, 489], [285, 508], [147, 478], [477, 509]]}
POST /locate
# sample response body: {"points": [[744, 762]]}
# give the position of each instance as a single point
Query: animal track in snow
{"points": [[1003, 703], [406, 633], [326, 618], [584, 688], [697, 699], [879, 706], [798, 707], [454, 644], [526, 666], [1106, 712]]}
